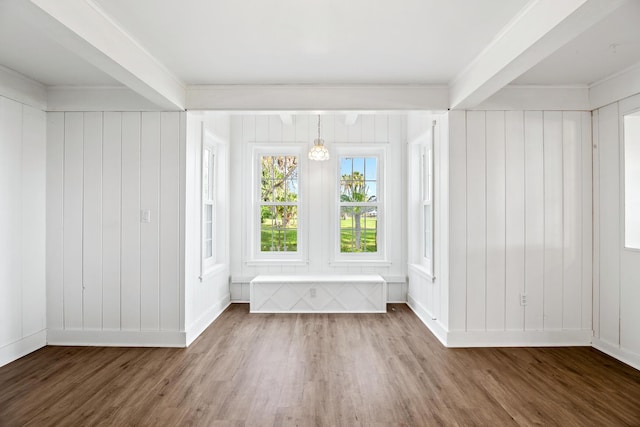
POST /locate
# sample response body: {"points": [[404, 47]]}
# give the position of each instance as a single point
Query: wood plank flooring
{"points": [[318, 370]]}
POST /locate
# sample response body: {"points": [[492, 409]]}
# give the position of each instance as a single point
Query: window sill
{"points": [[422, 271], [258, 262], [212, 271], [360, 263]]}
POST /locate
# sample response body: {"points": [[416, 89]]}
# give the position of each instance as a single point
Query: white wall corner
{"points": [[615, 351], [20, 348], [199, 325], [615, 87], [436, 328], [22, 89]]}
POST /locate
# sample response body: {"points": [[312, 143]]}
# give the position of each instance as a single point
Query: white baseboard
{"points": [[559, 338], [434, 326], [196, 328], [630, 358], [458, 339], [101, 338], [26, 345]]}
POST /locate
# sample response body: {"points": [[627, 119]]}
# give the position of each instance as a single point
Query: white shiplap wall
{"points": [[616, 269], [110, 278], [387, 130], [206, 297], [22, 228], [520, 223]]}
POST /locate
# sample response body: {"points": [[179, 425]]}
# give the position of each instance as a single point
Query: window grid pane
{"points": [[208, 231], [279, 228], [279, 204], [358, 205], [427, 231], [632, 181], [358, 229]]}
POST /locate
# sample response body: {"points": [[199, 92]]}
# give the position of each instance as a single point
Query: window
{"points": [[278, 204], [208, 207], [426, 173], [420, 203], [632, 180], [359, 205]]}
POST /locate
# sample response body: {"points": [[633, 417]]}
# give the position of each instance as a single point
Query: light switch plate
{"points": [[145, 215]]}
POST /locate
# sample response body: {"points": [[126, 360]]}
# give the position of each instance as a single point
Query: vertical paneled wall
{"points": [[106, 269], [616, 269], [520, 221], [22, 228], [374, 130]]}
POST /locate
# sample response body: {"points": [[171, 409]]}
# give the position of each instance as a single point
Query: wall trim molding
{"points": [[22, 347], [616, 87], [557, 338], [433, 325], [624, 356], [116, 338], [22, 89], [203, 322]]}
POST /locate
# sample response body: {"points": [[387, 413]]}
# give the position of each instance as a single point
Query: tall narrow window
{"points": [[208, 206], [359, 204], [632, 181], [279, 203], [427, 205]]}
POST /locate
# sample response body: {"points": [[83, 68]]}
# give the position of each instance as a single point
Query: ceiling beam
{"points": [[81, 26], [317, 97], [538, 30]]}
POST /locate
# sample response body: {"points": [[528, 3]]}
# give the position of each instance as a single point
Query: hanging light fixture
{"points": [[318, 152]]}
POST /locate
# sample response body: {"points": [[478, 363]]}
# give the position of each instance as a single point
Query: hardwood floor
{"points": [[320, 370]]}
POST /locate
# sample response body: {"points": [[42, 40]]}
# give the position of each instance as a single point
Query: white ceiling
{"points": [[611, 45], [27, 50], [313, 41], [319, 42]]}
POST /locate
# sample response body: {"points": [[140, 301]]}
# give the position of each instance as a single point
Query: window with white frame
{"points": [[631, 123], [278, 203], [426, 184], [208, 206], [359, 205]]}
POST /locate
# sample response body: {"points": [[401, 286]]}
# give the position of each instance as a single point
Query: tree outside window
{"points": [[358, 205], [279, 204]]}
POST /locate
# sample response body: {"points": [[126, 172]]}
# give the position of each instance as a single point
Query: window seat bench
{"points": [[322, 293]]}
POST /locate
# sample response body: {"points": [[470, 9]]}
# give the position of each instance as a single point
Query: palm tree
{"points": [[354, 189]]}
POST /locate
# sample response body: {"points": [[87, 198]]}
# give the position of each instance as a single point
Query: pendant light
{"points": [[318, 152]]}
